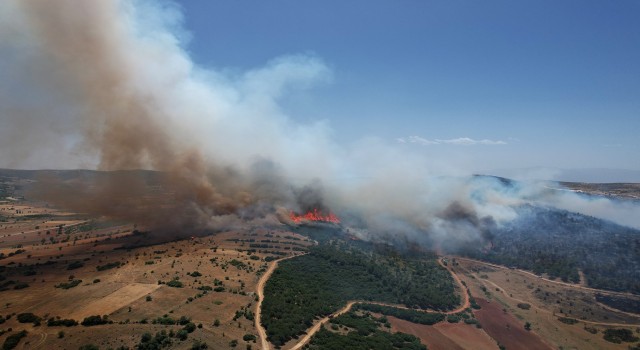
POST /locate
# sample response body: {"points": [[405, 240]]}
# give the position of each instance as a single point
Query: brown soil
{"points": [[506, 329], [446, 336], [121, 292]]}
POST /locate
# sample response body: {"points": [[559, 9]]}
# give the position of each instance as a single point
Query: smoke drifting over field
{"points": [[108, 84]]}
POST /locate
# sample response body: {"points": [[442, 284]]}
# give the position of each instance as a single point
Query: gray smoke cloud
{"points": [[108, 85]]}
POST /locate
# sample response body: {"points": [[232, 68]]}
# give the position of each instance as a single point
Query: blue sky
{"points": [[557, 81]]}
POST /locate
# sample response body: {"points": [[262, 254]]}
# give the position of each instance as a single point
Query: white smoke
{"points": [[108, 84]]}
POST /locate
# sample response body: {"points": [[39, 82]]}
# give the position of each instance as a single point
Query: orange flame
{"points": [[314, 215]]}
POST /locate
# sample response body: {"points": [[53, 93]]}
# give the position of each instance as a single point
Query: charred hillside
{"points": [[559, 243]]}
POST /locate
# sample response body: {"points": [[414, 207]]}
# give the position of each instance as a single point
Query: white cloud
{"points": [[461, 141]]}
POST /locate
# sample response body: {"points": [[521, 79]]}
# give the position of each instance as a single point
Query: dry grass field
{"points": [[506, 288], [60, 264]]}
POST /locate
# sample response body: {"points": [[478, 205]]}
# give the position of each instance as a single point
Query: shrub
{"points": [[21, 285], [591, 330], [175, 284], [68, 285], [75, 265], [13, 340], [28, 317], [89, 347], [199, 345], [166, 320], [619, 335], [453, 318], [94, 320], [190, 327], [159, 341], [52, 322], [183, 320], [568, 320], [182, 334], [108, 266]]}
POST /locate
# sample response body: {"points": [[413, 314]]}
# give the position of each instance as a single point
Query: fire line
{"points": [[314, 215]]}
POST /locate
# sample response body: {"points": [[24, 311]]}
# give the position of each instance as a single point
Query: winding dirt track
{"points": [[463, 289], [260, 290], [505, 294], [572, 285], [316, 327]]}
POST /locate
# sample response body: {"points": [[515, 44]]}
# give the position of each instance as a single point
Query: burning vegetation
{"points": [[314, 215]]}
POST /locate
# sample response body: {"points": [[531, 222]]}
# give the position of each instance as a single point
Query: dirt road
{"points": [[316, 327], [484, 282], [260, 290], [572, 285], [463, 289]]}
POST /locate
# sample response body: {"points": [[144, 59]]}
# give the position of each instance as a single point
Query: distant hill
{"points": [[558, 243], [591, 175]]}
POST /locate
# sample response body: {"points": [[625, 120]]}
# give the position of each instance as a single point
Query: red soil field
{"points": [[445, 336], [506, 329]]}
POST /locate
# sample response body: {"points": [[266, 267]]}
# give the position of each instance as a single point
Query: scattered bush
{"points": [[175, 284], [453, 318], [108, 266], [182, 334], [619, 335], [89, 347], [75, 265], [149, 342], [591, 330], [52, 322], [568, 320], [199, 345], [28, 317], [95, 320], [13, 340], [190, 327], [68, 285], [21, 285]]}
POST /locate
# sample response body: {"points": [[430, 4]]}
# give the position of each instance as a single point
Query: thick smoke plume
{"points": [[108, 85]]}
